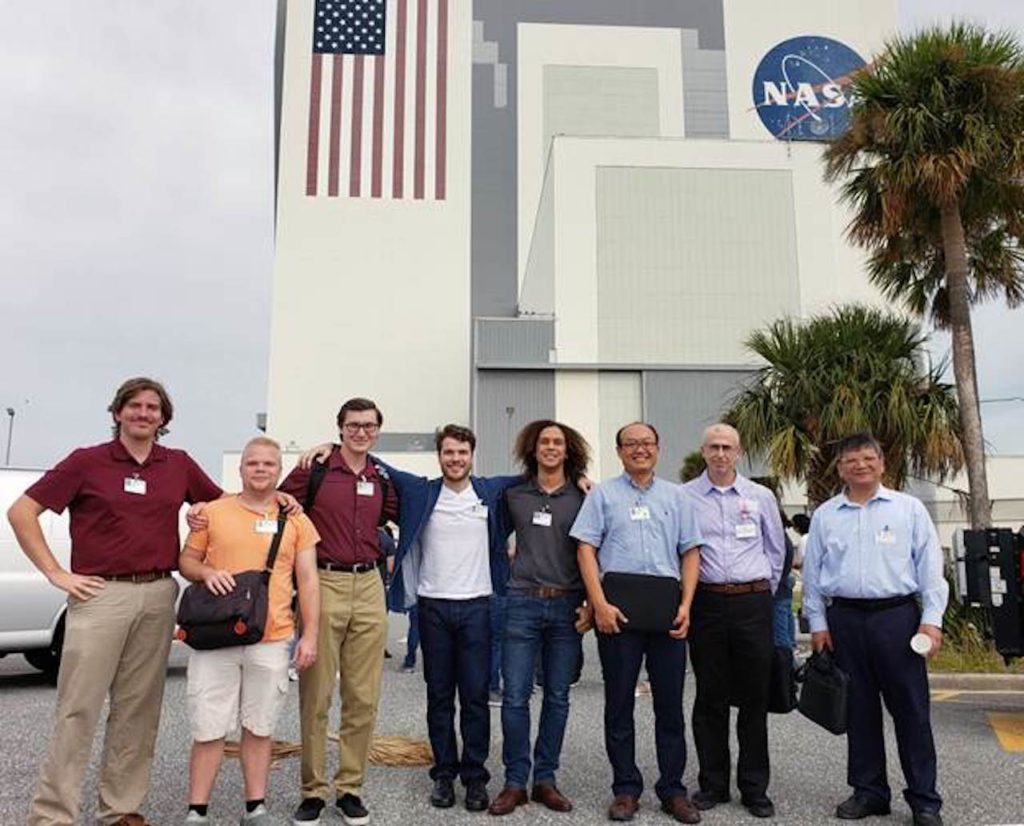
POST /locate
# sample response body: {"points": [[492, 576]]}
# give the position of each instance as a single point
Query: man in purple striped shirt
{"points": [[731, 642]]}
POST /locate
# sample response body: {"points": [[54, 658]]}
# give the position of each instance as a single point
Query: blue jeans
{"points": [[544, 627], [497, 635], [783, 621], [456, 639]]}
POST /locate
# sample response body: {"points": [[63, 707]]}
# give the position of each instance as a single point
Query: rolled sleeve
{"points": [[813, 600], [689, 532], [589, 526], [927, 556]]}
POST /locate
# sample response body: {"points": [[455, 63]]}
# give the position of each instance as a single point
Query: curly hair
{"points": [[577, 451]]}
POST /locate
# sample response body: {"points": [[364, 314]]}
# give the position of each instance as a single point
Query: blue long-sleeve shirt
{"points": [[886, 547]]}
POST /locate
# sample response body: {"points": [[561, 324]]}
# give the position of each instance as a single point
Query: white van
{"points": [[31, 609]]}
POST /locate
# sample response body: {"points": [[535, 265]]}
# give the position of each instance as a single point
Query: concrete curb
{"points": [[952, 681]]}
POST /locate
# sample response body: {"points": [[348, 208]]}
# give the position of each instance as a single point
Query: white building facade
{"points": [[552, 208]]}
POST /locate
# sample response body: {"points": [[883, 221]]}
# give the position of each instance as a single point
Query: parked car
{"points": [[31, 609]]}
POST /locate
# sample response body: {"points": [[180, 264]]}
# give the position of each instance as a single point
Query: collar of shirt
{"points": [[740, 485], [337, 462], [627, 480], [881, 493], [120, 453], [534, 487]]}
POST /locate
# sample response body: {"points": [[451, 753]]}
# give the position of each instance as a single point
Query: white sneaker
{"points": [[195, 819], [257, 817]]}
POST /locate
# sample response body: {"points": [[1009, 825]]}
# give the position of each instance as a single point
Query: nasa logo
{"points": [[800, 89]]}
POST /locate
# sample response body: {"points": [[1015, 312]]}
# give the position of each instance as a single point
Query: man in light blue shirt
{"points": [[731, 642], [872, 555], [639, 524]]}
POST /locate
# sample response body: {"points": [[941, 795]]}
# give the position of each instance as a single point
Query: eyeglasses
{"points": [[633, 444], [352, 428]]}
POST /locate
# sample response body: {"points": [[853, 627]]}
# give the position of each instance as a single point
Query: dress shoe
{"points": [[854, 808], [443, 795], [759, 806], [477, 797], [927, 819], [681, 808], [505, 803], [623, 807], [548, 794], [708, 800]]}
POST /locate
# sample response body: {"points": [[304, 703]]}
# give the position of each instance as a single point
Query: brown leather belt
{"points": [[756, 587], [546, 592], [148, 576], [356, 568]]}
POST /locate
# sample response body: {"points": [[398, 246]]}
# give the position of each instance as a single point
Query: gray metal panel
{"points": [[681, 404], [396, 442], [506, 401], [706, 90], [494, 181], [501, 341]]}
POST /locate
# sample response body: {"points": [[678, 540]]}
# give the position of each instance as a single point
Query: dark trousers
{"points": [[621, 656], [873, 647], [731, 647], [455, 636]]}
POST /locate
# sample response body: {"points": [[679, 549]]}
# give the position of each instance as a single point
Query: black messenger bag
{"points": [[825, 693], [207, 621], [649, 602]]}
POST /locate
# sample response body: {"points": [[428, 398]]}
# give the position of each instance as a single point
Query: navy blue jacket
{"points": [[417, 497]]}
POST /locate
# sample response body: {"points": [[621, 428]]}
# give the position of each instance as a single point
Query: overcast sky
{"points": [[137, 160]]}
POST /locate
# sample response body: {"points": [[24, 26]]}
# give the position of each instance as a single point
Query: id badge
{"points": [[640, 513], [746, 530], [542, 518], [478, 511], [885, 537], [133, 484], [266, 526], [364, 487]]}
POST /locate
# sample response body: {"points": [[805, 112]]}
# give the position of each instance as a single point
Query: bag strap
{"points": [[318, 471], [275, 543]]}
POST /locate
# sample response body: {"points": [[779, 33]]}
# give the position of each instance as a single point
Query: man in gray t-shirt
{"points": [[545, 595]]}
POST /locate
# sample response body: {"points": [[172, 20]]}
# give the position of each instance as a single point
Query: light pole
{"points": [[10, 433]]}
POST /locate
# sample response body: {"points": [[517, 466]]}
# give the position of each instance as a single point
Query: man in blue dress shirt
{"points": [[873, 558], [731, 642], [639, 524]]}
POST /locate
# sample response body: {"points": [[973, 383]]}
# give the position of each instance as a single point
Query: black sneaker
{"points": [[352, 810], [308, 812], [443, 794], [477, 798], [705, 800]]}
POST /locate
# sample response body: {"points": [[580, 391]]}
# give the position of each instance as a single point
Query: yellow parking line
{"points": [[942, 696], [1009, 728]]}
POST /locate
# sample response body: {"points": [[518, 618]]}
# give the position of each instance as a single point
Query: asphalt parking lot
{"points": [[981, 775]]}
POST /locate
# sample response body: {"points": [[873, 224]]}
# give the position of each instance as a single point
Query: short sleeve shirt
{"points": [[232, 543], [545, 552], [124, 514]]}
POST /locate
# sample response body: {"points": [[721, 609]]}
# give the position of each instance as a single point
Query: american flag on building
{"points": [[378, 99]]}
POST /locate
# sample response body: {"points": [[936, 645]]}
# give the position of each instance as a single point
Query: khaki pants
{"points": [[115, 643], [353, 632]]}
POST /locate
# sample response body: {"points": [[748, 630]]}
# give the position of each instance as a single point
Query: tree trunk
{"points": [[954, 249]]}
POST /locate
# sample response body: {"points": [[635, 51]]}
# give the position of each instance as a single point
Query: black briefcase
{"points": [[782, 693], [825, 693], [650, 603]]}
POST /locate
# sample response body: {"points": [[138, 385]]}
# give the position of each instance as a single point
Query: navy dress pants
{"points": [[621, 656], [873, 647]]}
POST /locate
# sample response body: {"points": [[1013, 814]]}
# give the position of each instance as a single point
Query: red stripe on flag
{"points": [[440, 149], [421, 99], [313, 138], [334, 161], [355, 170], [398, 159], [378, 124]]}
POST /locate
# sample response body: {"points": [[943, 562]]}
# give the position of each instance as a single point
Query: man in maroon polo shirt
{"points": [[124, 497], [353, 620]]}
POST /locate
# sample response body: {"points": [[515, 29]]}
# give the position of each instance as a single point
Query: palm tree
{"points": [[853, 368], [933, 166]]}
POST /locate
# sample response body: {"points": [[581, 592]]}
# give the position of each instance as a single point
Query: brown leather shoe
{"points": [[681, 809], [506, 802], [548, 794], [623, 807], [131, 820]]}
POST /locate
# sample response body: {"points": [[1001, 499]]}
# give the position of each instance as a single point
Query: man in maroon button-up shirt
{"points": [[347, 509], [124, 497]]}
